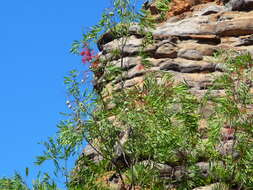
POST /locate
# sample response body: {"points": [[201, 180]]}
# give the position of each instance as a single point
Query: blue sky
{"points": [[35, 37]]}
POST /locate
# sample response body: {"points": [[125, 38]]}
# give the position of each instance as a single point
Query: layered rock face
{"points": [[184, 46]]}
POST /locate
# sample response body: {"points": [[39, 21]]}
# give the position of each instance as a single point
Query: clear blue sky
{"points": [[35, 37]]}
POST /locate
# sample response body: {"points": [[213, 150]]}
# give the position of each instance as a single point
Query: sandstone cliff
{"points": [[184, 46]]}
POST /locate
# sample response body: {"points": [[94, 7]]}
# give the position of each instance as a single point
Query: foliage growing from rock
{"points": [[156, 119], [231, 122], [146, 129], [148, 136]]}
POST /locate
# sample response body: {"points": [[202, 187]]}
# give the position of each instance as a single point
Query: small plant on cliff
{"points": [[146, 127], [230, 125], [117, 22], [147, 137], [163, 7]]}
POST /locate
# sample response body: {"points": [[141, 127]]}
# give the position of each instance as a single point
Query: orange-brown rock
{"points": [[180, 6]]}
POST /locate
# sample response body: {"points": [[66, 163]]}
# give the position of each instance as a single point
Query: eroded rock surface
{"points": [[183, 46]]}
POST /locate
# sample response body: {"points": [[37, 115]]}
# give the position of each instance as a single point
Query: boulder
{"points": [[196, 80], [187, 66], [201, 48], [167, 50], [221, 24], [190, 54], [126, 62], [130, 45], [213, 9]]}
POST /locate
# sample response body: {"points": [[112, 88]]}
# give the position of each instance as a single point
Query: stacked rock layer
{"points": [[184, 46]]}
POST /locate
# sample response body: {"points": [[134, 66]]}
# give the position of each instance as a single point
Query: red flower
{"points": [[87, 54]]}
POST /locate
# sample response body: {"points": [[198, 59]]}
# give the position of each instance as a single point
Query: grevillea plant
{"points": [[157, 118], [87, 54], [72, 134], [230, 125], [157, 121]]}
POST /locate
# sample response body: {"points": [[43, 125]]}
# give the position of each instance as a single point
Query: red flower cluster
{"points": [[87, 54]]}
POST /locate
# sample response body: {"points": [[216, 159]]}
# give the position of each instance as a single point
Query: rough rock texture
{"points": [[183, 46]]}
